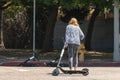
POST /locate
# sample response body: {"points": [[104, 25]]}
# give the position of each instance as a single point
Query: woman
{"points": [[73, 36]]}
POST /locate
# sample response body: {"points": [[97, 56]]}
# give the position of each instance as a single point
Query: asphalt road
{"points": [[45, 73]]}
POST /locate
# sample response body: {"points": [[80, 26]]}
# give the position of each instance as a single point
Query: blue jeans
{"points": [[73, 55]]}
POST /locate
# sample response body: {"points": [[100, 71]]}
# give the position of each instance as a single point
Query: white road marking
{"points": [[22, 70]]}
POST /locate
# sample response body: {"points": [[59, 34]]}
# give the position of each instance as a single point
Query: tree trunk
{"points": [[48, 40], [90, 28], [1, 30], [2, 7]]}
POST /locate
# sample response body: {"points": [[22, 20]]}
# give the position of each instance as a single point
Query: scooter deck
{"points": [[73, 72]]}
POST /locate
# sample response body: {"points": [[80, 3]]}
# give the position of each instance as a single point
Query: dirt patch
{"points": [[24, 54]]}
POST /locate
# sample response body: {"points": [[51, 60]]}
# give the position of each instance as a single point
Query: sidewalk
{"points": [[97, 70], [44, 73]]}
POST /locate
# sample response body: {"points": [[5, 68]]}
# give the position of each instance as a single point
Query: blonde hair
{"points": [[74, 21]]}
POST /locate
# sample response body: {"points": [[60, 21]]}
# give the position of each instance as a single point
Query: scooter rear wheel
{"points": [[86, 71], [55, 72]]}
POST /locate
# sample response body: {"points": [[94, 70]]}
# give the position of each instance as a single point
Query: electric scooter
{"points": [[56, 71], [26, 64]]}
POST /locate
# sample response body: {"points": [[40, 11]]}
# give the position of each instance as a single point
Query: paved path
{"points": [[44, 73]]}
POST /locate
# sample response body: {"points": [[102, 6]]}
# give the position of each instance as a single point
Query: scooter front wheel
{"points": [[55, 72]]}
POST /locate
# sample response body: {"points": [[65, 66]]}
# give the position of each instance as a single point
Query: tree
{"points": [[47, 45], [3, 5], [91, 26], [17, 25], [51, 9], [48, 40], [97, 6]]}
